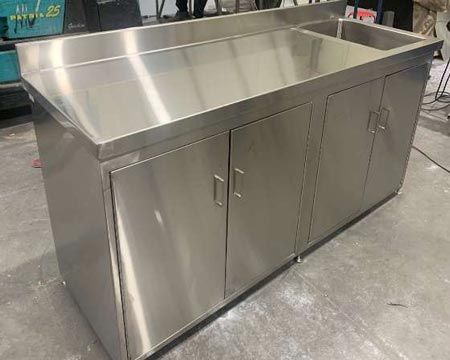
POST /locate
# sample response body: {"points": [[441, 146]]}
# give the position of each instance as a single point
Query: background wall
{"points": [[148, 7]]}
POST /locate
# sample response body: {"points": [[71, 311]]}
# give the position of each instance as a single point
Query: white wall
{"points": [[148, 7]]}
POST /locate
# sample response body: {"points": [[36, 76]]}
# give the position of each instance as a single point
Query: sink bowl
{"points": [[364, 34]]}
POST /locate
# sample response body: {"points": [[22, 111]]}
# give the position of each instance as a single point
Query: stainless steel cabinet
{"points": [[395, 130], [366, 141], [350, 123], [206, 221], [266, 175], [171, 226]]}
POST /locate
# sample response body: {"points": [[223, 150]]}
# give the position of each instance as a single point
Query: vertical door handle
{"points": [[373, 120], [384, 118], [219, 184], [238, 182]]}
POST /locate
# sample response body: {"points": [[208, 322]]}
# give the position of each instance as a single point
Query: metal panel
{"points": [[95, 81], [266, 175], [171, 227], [156, 90], [311, 166], [35, 56], [382, 38], [398, 118], [76, 206], [345, 153]]}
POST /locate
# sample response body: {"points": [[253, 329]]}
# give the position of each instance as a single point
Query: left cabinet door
{"points": [[170, 214]]}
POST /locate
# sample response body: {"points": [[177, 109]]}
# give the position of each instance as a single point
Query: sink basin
{"points": [[364, 34]]}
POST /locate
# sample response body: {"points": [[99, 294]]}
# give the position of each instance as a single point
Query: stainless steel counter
{"points": [[183, 163], [164, 85], [159, 89]]}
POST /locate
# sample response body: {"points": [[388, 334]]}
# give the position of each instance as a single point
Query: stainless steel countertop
{"points": [[123, 96], [124, 100]]}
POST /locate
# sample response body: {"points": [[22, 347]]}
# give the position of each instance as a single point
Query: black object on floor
{"points": [[14, 101], [12, 117]]}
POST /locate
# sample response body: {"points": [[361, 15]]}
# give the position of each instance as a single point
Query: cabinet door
{"points": [[398, 117], [171, 227], [266, 175], [348, 134]]}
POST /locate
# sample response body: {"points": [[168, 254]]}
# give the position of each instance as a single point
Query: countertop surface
{"points": [[118, 97], [142, 86]]}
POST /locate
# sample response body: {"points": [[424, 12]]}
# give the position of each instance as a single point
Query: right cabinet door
{"points": [[266, 176], [348, 133], [398, 117]]}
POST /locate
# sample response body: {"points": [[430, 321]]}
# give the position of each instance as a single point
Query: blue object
{"points": [[379, 18], [31, 18], [9, 68]]}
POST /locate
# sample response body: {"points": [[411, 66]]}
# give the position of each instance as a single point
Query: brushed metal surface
{"points": [[382, 38], [344, 158], [226, 301], [72, 50], [171, 239], [399, 108], [128, 96], [76, 206], [311, 166], [266, 176], [169, 89], [156, 90]]}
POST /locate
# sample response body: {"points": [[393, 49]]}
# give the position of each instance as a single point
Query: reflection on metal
{"points": [[360, 33], [173, 266], [184, 163], [268, 159]]}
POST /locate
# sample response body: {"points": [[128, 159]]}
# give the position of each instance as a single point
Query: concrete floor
{"points": [[335, 305]]}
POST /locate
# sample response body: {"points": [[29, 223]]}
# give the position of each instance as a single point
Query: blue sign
{"points": [[30, 18]]}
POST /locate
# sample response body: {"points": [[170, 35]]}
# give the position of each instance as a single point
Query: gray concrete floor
{"points": [[335, 305]]}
